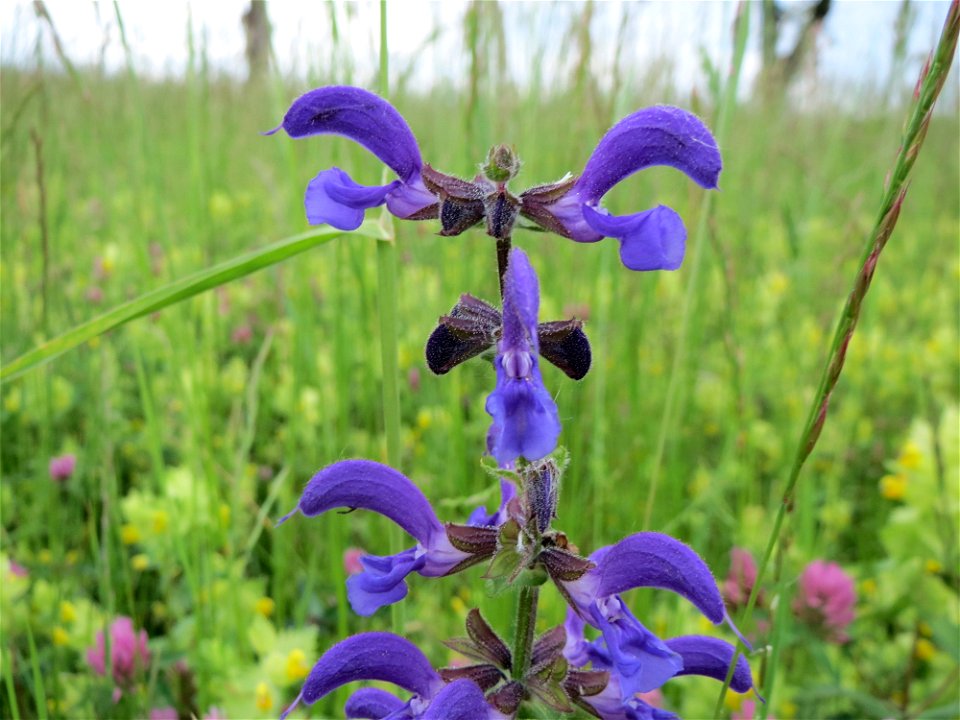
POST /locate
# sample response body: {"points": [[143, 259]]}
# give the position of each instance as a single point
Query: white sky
{"points": [[856, 45]]}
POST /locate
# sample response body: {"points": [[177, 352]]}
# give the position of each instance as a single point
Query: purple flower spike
{"points": [[525, 418], [651, 240], [332, 196], [370, 656], [371, 486], [711, 657], [613, 704]]}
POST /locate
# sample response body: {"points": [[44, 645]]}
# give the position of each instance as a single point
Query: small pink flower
{"points": [[741, 578], [413, 379], [654, 698], [18, 570], [164, 713], [214, 713], [95, 294], [747, 711], [826, 599], [128, 652], [62, 467], [351, 560], [242, 334]]}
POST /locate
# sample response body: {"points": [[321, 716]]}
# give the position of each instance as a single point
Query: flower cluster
{"points": [[612, 674]]}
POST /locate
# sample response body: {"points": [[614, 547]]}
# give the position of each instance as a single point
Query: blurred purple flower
{"points": [[242, 334], [62, 467], [368, 485], [392, 659], [18, 570], [129, 654], [94, 294], [214, 713], [742, 577], [650, 240], [640, 660], [525, 419], [826, 599], [333, 197], [164, 713]]}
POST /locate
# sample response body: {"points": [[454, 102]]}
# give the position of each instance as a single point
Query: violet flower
{"points": [[525, 418], [635, 655], [332, 197], [826, 599], [129, 654], [650, 240], [371, 486], [62, 466], [393, 659]]}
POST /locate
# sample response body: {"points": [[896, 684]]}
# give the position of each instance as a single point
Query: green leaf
{"points": [[180, 290]]}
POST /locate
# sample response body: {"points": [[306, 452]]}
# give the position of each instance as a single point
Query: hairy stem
{"points": [[503, 257], [527, 599]]}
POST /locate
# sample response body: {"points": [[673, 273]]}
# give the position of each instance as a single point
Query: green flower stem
{"points": [[527, 599], [389, 328], [932, 79]]}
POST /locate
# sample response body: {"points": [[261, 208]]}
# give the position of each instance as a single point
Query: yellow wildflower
{"points": [[140, 562], [297, 667], [424, 419], [924, 650], [924, 629], [161, 521], [932, 566], [910, 457], [869, 587], [45, 556], [788, 710], [265, 606], [224, 512], [893, 487], [68, 613], [264, 699], [129, 534], [60, 636], [459, 607]]}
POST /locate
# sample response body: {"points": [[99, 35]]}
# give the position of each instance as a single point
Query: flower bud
{"points": [[502, 164]]}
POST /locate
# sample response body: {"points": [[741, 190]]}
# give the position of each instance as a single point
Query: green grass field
{"points": [[196, 427]]}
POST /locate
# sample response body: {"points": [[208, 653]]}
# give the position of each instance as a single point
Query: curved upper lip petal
{"points": [[361, 116]]}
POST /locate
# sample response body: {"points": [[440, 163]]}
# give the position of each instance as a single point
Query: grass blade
{"points": [[177, 291]]}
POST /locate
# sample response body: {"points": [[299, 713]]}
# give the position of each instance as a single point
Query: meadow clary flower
{"points": [[525, 418], [650, 240], [393, 659], [639, 659], [368, 485], [62, 467], [826, 599], [129, 654], [333, 197]]}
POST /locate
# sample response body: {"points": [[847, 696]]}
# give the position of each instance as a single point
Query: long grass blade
{"points": [[178, 291]]}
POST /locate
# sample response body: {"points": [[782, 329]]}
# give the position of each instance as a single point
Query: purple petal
{"points": [[658, 135], [361, 116], [371, 656], [460, 700], [383, 581], [410, 198], [639, 658], [525, 418], [578, 651], [610, 705], [521, 302], [371, 486], [333, 198], [371, 704], [650, 559], [711, 657], [650, 240]]}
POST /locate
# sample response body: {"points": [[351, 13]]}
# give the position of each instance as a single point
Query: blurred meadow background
{"points": [[143, 471]]}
